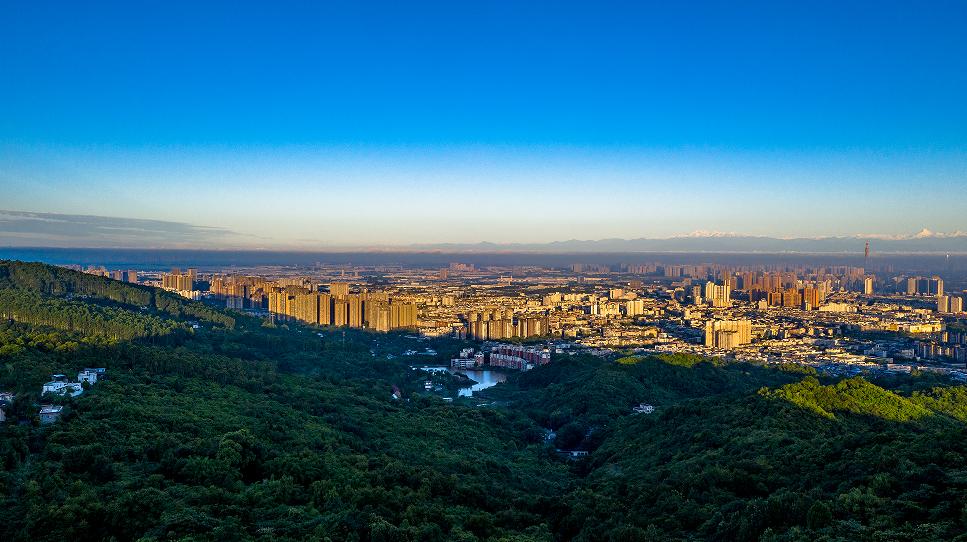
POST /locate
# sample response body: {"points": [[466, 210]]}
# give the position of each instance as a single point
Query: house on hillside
{"points": [[50, 413], [60, 386], [88, 376]]}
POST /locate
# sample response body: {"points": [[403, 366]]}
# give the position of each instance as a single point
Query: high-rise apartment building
{"points": [[812, 298], [718, 295], [304, 307], [340, 312], [912, 286], [325, 309], [925, 286], [355, 308]]}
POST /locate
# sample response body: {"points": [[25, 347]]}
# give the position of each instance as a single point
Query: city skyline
{"points": [[373, 125]]}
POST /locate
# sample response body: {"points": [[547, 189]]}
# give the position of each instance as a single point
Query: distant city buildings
{"points": [[503, 324], [371, 310], [121, 275], [796, 313]]}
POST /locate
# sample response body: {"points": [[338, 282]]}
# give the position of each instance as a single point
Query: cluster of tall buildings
{"points": [[693, 271], [727, 334], [338, 307], [590, 268], [924, 286], [946, 344], [951, 304], [241, 292], [502, 324], [806, 298], [121, 275], [178, 281], [712, 294], [718, 295]]}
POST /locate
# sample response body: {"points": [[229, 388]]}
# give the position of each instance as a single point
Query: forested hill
{"points": [[217, 426], [34, 293]]}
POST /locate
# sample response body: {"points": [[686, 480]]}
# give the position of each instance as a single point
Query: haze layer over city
{"points": [[610, 271]]}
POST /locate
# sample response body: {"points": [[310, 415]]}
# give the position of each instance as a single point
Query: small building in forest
{"points": [[643, 408], [87, 375], [50, 413]]}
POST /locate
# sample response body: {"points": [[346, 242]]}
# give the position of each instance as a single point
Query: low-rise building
{"points": [[87, 375], [60, 386], [50, 413]]}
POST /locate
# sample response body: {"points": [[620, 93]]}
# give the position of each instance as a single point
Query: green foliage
{"points": [[853, 395], [58, 282]]}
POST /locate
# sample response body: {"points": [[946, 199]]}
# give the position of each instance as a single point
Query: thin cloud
{"points": [[23, 228]]}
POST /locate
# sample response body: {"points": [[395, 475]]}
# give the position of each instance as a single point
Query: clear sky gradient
{"points": [[359, 123]]}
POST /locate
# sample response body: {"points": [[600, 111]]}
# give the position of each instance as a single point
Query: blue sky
{"points": [[357, 123]]}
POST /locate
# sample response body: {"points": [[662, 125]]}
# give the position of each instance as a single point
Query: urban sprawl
{"points": [[839, 319]]}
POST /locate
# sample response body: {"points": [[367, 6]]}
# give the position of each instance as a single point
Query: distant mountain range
{"points": [[922, 242]]}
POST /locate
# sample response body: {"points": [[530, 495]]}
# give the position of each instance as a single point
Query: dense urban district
{"points": [[838, 318], [639, 402]]}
